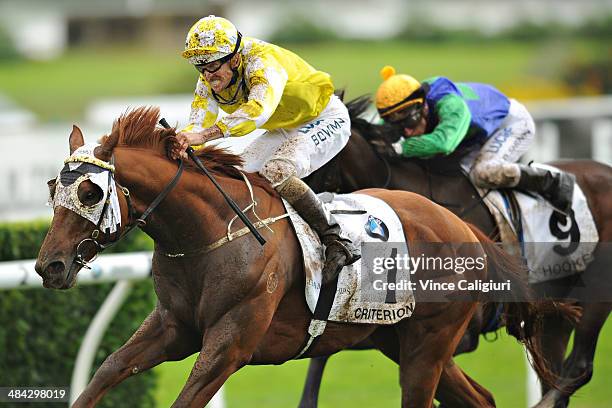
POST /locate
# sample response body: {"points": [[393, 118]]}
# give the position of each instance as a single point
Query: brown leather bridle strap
{"points": [[140, 222]]}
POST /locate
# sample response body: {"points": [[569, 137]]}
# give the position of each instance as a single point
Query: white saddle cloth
{"points": [[355, 301], [553, 249]]}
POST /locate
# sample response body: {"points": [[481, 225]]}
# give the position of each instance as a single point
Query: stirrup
{"points": [[565, 190], [333, 265], [351, 256]]}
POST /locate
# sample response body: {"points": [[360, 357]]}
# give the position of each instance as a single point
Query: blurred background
{"points": [[86, 62]]}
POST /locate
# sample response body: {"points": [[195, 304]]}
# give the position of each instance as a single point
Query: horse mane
{"points": [[139, 128], [368, 130], [219, 160]]}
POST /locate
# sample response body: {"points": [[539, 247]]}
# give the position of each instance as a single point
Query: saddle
{"points": [[348, 299], [553, 245]]}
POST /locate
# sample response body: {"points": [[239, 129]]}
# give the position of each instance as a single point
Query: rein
{"points": [[227, 198], [388, 168], [139, 222]]}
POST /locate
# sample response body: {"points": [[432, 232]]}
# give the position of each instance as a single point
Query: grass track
{"points": [[367, 379]]}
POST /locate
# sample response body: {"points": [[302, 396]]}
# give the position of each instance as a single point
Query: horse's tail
{"points": [[522, 312]]}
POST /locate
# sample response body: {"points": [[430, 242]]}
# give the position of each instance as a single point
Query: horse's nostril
{"points": [[55, 268]]}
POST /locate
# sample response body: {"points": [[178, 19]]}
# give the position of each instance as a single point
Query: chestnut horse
{"points": [[243, 303], [364, 164]]}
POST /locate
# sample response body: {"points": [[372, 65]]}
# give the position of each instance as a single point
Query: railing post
{"points": [[93, 336], [218, 401], [546, 143], [532, 386], [601, 140]]}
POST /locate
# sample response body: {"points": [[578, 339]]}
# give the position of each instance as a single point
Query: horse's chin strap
{"points": [[133, 222]]}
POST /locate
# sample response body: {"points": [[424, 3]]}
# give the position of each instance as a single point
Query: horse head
{"points": [[105, 190], [87, 210]]}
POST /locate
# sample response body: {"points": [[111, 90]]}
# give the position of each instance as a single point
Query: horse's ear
{"points": [[340, 94], [76, 139], [105, 150]]}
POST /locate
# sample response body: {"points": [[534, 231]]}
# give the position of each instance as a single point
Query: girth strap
{"points": [[321, 314]]}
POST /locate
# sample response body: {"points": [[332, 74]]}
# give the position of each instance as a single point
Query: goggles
{"points": [[215, 65], [408, 118]]}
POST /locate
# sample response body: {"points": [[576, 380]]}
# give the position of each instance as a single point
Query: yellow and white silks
{"points": [[278, 91]]}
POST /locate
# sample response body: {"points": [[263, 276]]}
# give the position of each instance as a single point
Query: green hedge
{"points": [[7, 48], [41, 329]]}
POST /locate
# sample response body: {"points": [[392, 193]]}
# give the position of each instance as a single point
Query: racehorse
{"points": [[364, 164], [235, 301]]}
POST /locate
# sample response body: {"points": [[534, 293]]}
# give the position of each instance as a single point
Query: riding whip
{"points": [[229, 200]]}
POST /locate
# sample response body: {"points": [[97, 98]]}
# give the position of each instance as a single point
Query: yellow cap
{"points": [[210, 39], [392, 95], [387, 72]]}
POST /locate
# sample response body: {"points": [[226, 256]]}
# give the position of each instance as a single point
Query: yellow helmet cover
{"points": [[396, 91], [210, 39]]}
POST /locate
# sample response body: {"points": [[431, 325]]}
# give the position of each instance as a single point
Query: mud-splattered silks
{"points": [[80, 166]]}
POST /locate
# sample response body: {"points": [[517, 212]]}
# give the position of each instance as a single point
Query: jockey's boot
{"points": [[556, 187], [339, 250]]}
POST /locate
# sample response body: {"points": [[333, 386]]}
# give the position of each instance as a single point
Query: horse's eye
{"points": [[89, 194]]}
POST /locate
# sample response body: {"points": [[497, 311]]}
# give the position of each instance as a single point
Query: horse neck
{"points": [[411, 176], [362, 167], [192, 215]]}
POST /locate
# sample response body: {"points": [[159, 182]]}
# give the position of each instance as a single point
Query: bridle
{"points": [[134, 222], [387, 167], [111, 239]]}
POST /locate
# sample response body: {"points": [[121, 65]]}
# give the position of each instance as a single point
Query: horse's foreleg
{"points": [[156, 340], [310, 394], [227, 345], [578, 368]]}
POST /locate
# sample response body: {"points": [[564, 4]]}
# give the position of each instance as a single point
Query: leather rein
{"points": [[111, 239]]}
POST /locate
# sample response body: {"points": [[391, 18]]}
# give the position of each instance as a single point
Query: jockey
{"points": [[263, 86], [439, 116]]}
